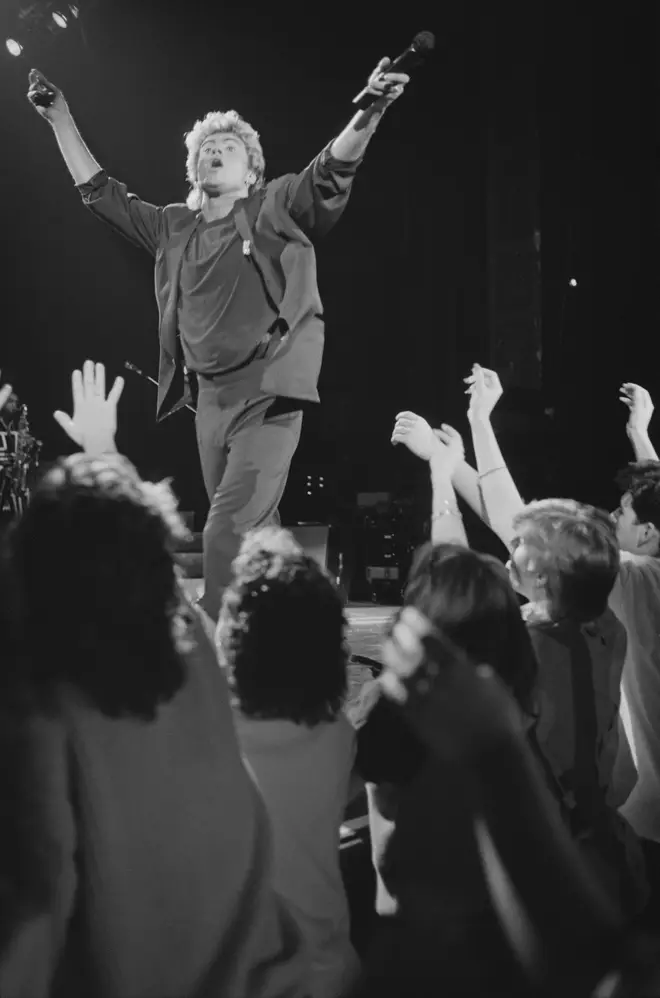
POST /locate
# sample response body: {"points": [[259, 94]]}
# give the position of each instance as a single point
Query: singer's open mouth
{"points": [[216, 164]]}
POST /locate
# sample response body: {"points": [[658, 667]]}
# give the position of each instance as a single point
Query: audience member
{"points": [[163, 882], [282, 636], [562, 935], [635, 599], [469, 596], [565, 562], [139, 809]]}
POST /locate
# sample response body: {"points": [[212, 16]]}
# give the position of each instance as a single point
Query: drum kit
{"points": [[19, 458]]}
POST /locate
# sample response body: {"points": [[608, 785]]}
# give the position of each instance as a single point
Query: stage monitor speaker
{"points": [[313, 539]]}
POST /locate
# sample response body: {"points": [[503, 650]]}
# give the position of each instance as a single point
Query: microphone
{"points": [[421, 46], [147, 377]]}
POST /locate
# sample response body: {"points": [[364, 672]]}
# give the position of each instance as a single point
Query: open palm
{"points": [[94, 421]]}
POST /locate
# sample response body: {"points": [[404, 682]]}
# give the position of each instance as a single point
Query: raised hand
{"points": [[452, 449], [413, 431], [640, 404], [457, 707], [47, 99], [387, 86], [485, 390], [94, 421]]}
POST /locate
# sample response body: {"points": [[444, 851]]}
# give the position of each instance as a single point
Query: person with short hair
{"points": [[564, 560], [282, 638], [635, 600], [241, 319]]}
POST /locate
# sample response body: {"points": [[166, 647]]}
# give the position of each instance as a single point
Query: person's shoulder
{"points": [[628, 558], [178, 210], [639, 566]]}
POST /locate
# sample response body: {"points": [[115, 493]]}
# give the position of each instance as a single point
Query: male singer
{"points": [[237, 296]]}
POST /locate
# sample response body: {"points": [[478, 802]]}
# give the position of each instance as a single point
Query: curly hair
{"points": [[100, 601], [641, 480], [282, 632], [469, 597], [578, 556], [221, 121]]}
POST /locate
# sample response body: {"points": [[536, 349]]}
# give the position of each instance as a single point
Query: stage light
{"points": [[60, 19], [13, 47], [573, 282]]}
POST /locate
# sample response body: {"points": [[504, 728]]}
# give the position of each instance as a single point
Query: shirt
{"points": [[286, 218], [164, 858], [223, 311], [635, 600], [578, 687], [303, 774]]}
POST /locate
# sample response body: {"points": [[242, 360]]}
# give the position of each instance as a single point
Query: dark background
{"points": [[407, 277]]}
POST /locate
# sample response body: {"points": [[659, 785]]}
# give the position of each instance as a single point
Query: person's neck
{"points": [[220, 206]]}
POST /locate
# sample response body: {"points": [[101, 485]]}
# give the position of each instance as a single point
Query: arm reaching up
{"points": [[352, 142], [48, 100], [443, 450], [133, 218], [94, 421], [317, 196], [640, 406], [501, 497]]}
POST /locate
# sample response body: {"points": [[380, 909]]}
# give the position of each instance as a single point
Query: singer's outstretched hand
{"points": [[387, 86], [94, 421], [47, 99]]}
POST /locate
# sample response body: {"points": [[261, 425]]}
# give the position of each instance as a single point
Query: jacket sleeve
{"points": [[316, 198], [136, 220]]}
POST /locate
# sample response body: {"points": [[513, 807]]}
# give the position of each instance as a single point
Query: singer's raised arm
{"points": [[316, 198], [136, 220]]}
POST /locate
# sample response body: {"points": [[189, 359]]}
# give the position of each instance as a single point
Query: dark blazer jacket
{"points": [[278, 224]]}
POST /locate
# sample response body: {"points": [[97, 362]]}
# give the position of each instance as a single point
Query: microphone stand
{"points": [[147, 377]]}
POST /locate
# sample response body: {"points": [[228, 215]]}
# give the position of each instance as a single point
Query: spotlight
{"points": [[13, 47], [60, 19], [573, 282]]}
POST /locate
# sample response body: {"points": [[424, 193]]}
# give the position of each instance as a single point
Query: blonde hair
{"points": [[577, 554], [221, 121]]}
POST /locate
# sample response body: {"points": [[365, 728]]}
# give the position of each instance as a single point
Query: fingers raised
{"points": [[77, 390], [116, 390]]}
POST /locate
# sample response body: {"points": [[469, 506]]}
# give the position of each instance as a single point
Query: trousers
{"points": [[245, 449]]}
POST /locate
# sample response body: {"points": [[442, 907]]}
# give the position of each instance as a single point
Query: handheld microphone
{"points": [[421, 46], [41, 92]]}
